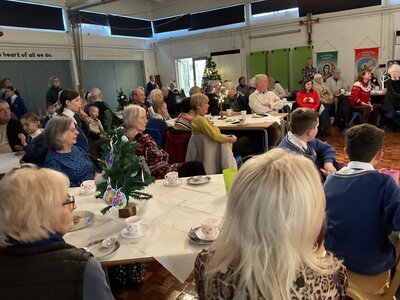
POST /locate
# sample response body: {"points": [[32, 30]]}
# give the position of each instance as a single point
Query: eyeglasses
{"points": [[70, 200]]}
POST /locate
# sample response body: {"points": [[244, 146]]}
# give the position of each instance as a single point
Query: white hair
{"points": [[131, 114], [31, 204], [155, 93], [275, 212], [394, 67]]}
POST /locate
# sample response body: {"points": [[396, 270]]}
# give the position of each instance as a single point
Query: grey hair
{"points": [[44, 189], [258, 77], [54, 131], [394, 67], [52, 78], [131, 114], [196, 100], [96, 93], [274, 214], [153, 95]]}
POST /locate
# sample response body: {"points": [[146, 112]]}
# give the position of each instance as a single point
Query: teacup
{"points": [[209, 228], [229, 112], [243, 115], [171, 177], [134, 225], [88, 186], [342, 91]]}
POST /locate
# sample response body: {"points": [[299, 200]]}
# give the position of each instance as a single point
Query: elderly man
{"points": [[335, 83], [9, 130], [138, 97], [263, 101]]}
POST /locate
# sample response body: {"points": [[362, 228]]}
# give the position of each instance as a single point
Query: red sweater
{"points": [[360, 92], [308, 100]]}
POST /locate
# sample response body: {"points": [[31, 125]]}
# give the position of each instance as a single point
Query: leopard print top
{"points": [[308, 284]]}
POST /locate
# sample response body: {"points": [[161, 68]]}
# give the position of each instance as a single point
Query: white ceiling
{"points": [[146, 9]]}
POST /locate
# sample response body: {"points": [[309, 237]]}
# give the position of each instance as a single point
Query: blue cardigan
{"points": [[17, 107], [319, 152], [362, 210]]}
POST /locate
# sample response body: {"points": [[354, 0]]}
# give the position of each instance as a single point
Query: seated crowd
{"points": [[277, 240]]}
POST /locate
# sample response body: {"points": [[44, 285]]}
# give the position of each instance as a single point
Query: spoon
{"points": [[108, 242]]}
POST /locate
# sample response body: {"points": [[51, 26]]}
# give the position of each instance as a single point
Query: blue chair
{"points": [[156, 129], [356, 116]]}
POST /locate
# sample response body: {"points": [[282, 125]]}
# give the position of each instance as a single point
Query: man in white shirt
{"points": [[335, 83], [262, 100]]}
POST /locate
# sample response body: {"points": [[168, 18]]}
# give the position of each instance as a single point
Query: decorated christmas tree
{"points": [[124, 173], [122, 100], [210, 72]]}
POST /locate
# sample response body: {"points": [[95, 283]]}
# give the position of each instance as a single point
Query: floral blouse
{"points": [[308, 284]]}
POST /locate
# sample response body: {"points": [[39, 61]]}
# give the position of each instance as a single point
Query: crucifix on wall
{"points": [[308, 22]]}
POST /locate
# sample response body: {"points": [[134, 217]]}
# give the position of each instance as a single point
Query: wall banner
{"points": [[366, 58], [10, 54], [326, 62]]}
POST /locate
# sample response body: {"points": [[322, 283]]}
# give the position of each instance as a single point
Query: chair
{"points": [[356, 116], [156, 129], [214, 156], [362, 287], [176, 144]]}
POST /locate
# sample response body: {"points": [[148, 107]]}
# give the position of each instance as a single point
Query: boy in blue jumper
{"points": [[362, 206], [301, 139]]}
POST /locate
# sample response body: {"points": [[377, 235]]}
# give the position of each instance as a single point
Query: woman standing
{"points": [[272, 237], [35, 261]]}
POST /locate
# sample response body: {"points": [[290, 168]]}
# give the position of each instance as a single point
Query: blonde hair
{"points": [[275, 212], [131, 114], [31, 204], [196, 100], [194, 90], [158, 104]]}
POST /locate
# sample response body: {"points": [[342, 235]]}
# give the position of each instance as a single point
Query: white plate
{"points": [[125, 233], [201, 235], [176, 183], [195, 180], [86, 217], [86, 192], [199, 242], [99, 251]]}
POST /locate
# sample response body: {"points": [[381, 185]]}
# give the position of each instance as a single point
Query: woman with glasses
{"points": [[35, 262], [61, 136]]}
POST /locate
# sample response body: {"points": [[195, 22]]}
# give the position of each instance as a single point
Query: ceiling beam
{"points": [[88, 4]]}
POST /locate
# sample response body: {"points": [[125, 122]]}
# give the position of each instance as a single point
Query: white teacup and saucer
{"points": [[172, 179], [134, 228], [87, 187]]}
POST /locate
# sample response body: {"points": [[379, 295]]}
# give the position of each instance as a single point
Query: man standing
{"points": [[263, 101], [309, 70], [151, 85], [9, 130]]}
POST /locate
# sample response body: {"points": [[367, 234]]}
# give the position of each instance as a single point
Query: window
{"points": [[189, 72]]}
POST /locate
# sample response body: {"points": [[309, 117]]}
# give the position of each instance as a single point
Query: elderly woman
{"points": [[273, 238], [61, 136], [160, 110], [325, 96], [391, 102], [35, 261], [233, 99], [276, 88], [134, 119], [360, 98], [54, 90], [155, 95], [72, 107]]}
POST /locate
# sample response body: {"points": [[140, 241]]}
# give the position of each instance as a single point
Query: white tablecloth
{"points": [[9, 161], [170, 214]]}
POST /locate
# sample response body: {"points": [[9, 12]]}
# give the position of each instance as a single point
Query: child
{"points": [[362, 206], [17, 104], [301, 139], [96, 130], [34, 144], [51, 112]]}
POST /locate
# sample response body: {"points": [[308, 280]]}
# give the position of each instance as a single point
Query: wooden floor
{"points": [[159, 284]]}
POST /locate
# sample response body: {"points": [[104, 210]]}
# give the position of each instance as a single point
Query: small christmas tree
{"points": [[124, 172], [122, 100], [210, 72]]}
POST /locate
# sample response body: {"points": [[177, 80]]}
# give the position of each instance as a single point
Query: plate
{"points": [[125, 233], [194, 238], [176, 183], [86, 192], [196, 180], [99, 251], [259, 115], [85, 218]]}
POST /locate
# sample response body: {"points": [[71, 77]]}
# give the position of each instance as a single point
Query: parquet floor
{"points": [[159, 284]]}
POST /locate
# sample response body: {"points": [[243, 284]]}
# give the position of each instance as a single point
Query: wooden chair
{"points": [[378, 287]]}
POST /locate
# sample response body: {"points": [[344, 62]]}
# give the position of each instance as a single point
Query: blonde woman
{"points": [[35, 261], [274, 215]]}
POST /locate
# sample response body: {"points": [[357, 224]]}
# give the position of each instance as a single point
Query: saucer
{"points": [[125, 233], [86, 192], [196, 180], [175, 183]]}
